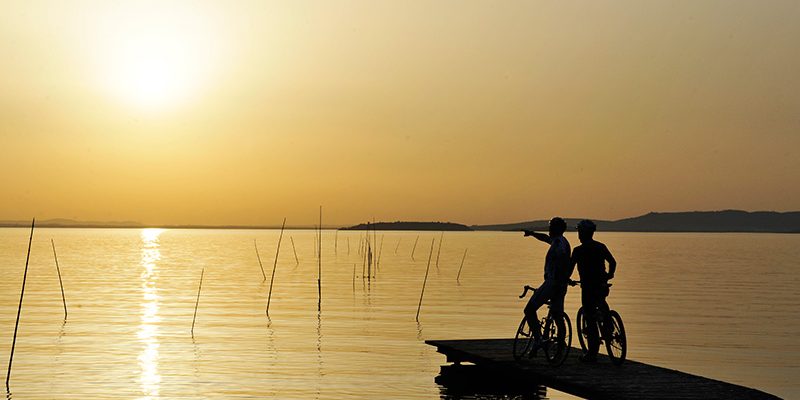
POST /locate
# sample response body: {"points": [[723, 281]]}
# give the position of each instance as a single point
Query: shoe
{"points": [[587, 358]]}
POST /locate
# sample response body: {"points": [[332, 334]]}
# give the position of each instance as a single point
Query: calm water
{"points": [[719, 305]]}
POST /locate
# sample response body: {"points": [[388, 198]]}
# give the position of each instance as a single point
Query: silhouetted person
{"points": [[591, 257], [556, 276]]}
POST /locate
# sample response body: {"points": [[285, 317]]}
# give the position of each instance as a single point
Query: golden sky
{"points": [[244, 112]]}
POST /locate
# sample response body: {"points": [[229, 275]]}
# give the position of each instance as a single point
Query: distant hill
{"points": [[411, 226], [692, 221], [537, 225], [69, 223]]}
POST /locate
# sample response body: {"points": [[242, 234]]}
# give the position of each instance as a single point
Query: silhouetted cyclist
{"points": [[591, 256], [556, 276]]}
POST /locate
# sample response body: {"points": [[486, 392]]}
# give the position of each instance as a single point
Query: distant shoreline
{"points": [[727, 221], [333, 228]]}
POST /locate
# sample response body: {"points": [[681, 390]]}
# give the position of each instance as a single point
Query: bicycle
{"points": [[556, 344], [612, 331]]}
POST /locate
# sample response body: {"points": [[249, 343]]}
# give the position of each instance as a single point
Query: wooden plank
{"points": [[601, 380]]}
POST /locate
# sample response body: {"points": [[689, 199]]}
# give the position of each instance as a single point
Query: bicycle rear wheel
{"points": [[583, 329], [557, 339], [523, 340], [616, 343]]}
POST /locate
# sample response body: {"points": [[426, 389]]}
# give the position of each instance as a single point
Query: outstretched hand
{"points": [[527, 232]]}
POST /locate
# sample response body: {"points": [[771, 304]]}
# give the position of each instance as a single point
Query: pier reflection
{"points": [[148, 328], [474, 382]]}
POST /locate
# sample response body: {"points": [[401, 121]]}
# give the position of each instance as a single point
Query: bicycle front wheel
{"points": [[523, 340], [616, 343]]}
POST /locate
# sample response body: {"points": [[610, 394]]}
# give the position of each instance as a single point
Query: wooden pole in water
{"points": [[259, 260], [336, 243], [275, 265], [375, 244], [294, 250], [439, 252], [369, 254], [380, 253], [197, 302], [19, 309], [414, 248], [398, 245], [363, 257], [426, 279], [60, 282], [462, 264], [319, 265]]}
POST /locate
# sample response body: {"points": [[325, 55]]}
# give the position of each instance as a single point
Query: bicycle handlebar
{"points": [[525, 291], [573, 283]]}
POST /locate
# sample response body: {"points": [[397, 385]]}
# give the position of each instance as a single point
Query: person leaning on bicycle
{"points": [[556, 277], [591, 256]]}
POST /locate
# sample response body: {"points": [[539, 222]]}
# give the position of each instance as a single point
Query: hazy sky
{"points": [[469, 111]]}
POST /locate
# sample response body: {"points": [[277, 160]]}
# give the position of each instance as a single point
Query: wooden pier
{"points": [[601, 380]]}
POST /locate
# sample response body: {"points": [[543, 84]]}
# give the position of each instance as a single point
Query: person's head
{"points": [[586, 230], [557, 226]]}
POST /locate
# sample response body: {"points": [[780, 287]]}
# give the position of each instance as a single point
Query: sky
{"points": [[477, 112]]}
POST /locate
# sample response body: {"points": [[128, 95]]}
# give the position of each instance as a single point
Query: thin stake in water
{"points": [[428, 268], [275, 265], [414, 248], [380, 253], [363, 258], [197, 302], [19, 309], [369, 254], [259, 261], [296, 260], [439, 252], [398, 245], [319, 265], [60, 282], [462, 264]]}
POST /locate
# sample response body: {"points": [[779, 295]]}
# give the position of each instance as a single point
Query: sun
{"points": [[156, 63], [156, 71], [153, 75]]}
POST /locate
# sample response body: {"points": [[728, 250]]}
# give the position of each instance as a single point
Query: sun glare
{"points": [[154, 74], [157, 62]]}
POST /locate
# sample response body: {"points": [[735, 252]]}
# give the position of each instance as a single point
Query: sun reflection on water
{"points": [[148, 329]]}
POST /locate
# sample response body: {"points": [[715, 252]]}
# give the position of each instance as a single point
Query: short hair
{"points": [[558, 224], [586, 225]]}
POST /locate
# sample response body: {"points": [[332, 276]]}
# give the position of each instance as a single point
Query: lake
{"points": [[722, 306]]}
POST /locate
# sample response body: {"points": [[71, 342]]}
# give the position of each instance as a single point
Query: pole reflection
{"points": [[148, 328]]}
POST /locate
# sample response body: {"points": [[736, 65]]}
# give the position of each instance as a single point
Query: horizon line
{"points": [[69, 223]]}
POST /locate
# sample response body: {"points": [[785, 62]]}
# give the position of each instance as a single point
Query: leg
{"points": [[557, 309], [590, 304], [538, 299]]}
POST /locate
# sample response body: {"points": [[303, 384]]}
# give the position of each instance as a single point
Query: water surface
{"points": [[718, 305]]}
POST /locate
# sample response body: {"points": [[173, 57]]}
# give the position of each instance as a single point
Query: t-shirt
{"points": [[591, 259], [556, 262]]}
